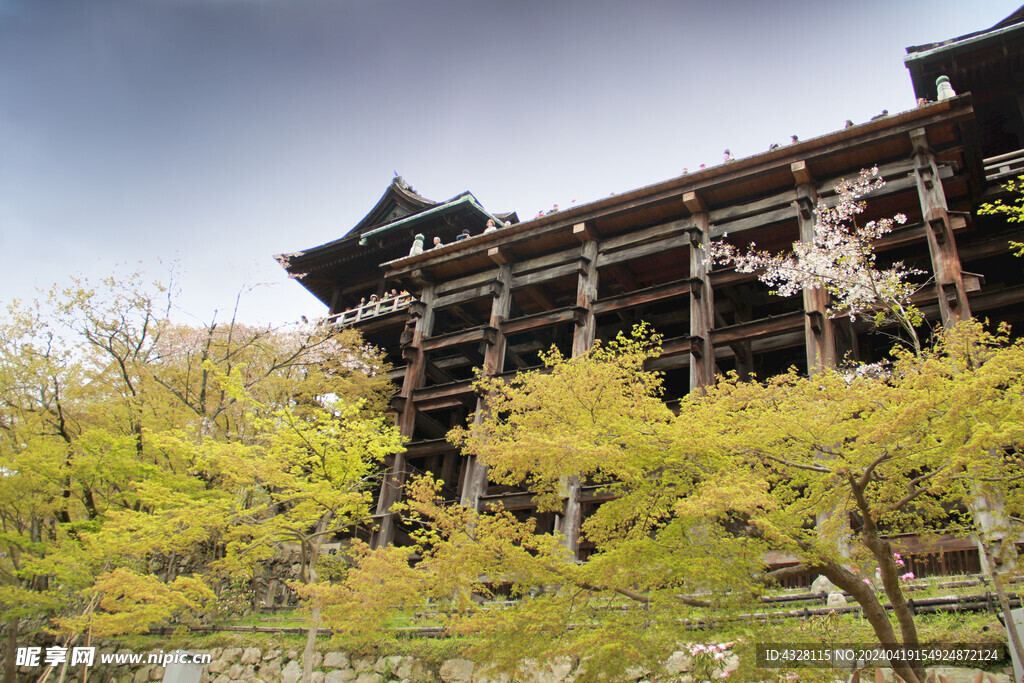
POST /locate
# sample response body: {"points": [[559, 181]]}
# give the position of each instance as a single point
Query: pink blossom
{"points": [[867, 581], [908, 576], [839, 259]]}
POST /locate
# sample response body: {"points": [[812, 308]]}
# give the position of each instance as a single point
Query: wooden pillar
{"points": [[586, 290], [582, 339], [335, 305], [819, 335], [702, 299], [953, 303], [475, 479], [394, 478]]}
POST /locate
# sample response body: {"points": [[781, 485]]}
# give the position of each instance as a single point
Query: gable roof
{"points": [[398, 201]]}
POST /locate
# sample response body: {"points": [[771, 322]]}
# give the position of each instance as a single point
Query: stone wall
{"points": [[247, 665], [251, 664]]}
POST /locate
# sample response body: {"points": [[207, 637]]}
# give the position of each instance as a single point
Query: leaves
{"points": [[147, 461]]}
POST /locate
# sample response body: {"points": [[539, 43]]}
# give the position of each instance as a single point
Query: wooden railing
{"points": [[1004, 166], [371, 310]]}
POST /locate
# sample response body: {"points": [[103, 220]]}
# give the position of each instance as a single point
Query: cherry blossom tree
{"points": [[841, 260]]}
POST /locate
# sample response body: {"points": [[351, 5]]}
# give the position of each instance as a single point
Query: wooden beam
{"points": [[478, 292], [429, 447], [509, 501], [819, 336], [702, 298], [498, 255], [586, 293], [695, 203], [474, 334], [436, 373], [474, 280], [538, 320], [582, 340], [473, 483], [954, 306], [800, 172], [643, 297], [671, 243], [540, 298], [394, 476], [651, 234], [584, 232], [624, 276], [546, 275], [427, 397], [758, 329]]}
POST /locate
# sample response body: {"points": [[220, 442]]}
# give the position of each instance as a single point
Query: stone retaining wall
{"points": [[248, 665]]}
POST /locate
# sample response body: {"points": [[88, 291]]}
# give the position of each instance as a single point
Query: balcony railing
{"points": [[1004, 166], [371, 310]]}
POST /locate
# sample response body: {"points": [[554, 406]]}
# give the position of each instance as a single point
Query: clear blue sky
{"points": [[216, 133]]}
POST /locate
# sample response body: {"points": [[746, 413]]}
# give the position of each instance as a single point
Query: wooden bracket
{"points": [[694, 202], [805, 207], [697, 347], [817, 320], [949, 291], [497, 288], [421, 277], [498, 255], [938, 228], [919, 140], [800, 172], [579, 315], [697, 288], [584, 232]]}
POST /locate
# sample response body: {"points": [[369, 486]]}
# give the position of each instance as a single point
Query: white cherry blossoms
{"points": [[839, 259]]}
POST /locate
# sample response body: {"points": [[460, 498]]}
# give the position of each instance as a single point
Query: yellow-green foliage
{"points": [[143, 462], [1013, 212], [699, 497]]}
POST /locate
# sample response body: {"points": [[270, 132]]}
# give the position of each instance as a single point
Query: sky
{"points": [[195, 139]]}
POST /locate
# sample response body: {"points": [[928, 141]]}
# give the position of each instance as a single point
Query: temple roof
{"points": [[384, 234], [1015, 18], [988, 48]]}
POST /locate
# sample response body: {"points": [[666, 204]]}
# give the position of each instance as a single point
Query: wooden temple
{"points": [[494, 299]]}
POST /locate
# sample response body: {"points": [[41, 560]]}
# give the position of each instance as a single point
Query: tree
{"points": [[699, 497], [136, 455], [841, 260], [1013, 212]]}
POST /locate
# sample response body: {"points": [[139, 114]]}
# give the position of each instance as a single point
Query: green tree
{"points": [[698, 498], [136, 455], [1013, 212]]}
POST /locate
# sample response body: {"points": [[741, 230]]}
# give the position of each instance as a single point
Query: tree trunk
{"points": [[309, 576], [882, 551], [873, 612], [10, 669]]}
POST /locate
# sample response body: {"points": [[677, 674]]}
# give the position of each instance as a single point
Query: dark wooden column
{"points": [[941, 244], [582, 339], [702, 299], [422, 312], [475, 480], [819, 335], [586, 290]]}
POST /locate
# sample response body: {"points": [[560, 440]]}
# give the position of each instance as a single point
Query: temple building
{"points": [[495, 290]]}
